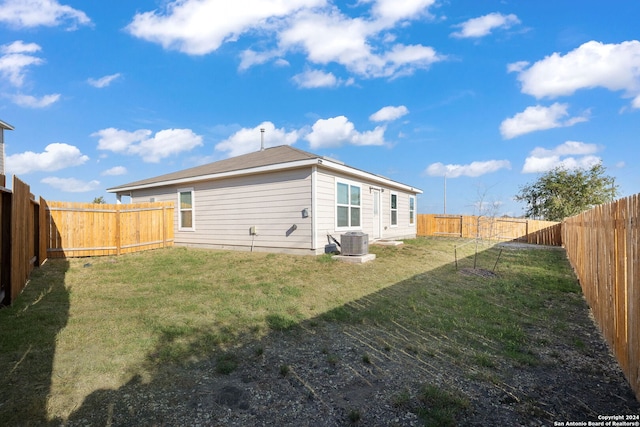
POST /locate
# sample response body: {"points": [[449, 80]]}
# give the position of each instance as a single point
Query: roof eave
{"points": [[5, 125], [322, 162], [208, 177], [369, 176]]}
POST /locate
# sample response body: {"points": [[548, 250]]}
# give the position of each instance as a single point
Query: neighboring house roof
{"points": [[270, 159], [5, 125]]}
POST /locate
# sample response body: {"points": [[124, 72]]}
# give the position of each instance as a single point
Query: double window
{"points": [[348, 205], [186, 210]]}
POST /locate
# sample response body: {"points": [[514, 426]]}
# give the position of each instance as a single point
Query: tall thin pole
{"points": [[261, 139]]}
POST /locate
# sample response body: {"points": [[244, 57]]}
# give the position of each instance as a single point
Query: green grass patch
{"points": [[440, 407], [226, 363]]}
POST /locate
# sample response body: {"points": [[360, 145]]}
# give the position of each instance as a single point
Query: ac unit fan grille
{"points": [[354, 243]]}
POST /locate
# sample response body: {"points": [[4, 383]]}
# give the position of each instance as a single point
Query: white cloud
{"points": [[338, 131], [315, 27], [249, 58], [315, 79], [152, 149], [569, 155], [56, 156], [474, 169], [615, 67], [16, 58], [391, 11], [71, 185], [198, 27], [539, 118], [544, 164], [247, 140], [517, 67], [103, 81], [331, 37], [311, 79], [566, 149], [120, 141], [483, 25], [30, 101], [388, 114], [115, 171], [19, 46], [34, 13]]}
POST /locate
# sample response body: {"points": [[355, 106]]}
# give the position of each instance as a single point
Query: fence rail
{"points": [[603, 245], [496, 228], [87, 229]]}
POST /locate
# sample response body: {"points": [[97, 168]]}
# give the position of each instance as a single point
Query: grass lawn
{"points": [[96, 323]]}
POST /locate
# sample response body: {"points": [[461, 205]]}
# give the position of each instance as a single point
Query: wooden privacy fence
{"points": [[21, 235], [496, 228], [87, 229], [603, 245]]}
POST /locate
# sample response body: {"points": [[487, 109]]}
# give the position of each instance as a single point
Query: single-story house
{"points": [[279, 199]]}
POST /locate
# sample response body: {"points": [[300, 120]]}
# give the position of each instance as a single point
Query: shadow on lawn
{"points": [[488, 353], [28, 331]]}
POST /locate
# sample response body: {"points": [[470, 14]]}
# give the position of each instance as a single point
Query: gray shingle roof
{"points": [[283, 155], [266, 157]]}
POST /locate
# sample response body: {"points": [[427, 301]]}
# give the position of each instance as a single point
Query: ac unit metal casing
{"points": [[354, 243]]}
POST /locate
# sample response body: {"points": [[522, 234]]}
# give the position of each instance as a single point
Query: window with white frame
{"points": [[348, 205], [186, 209], [412, 210], [394, 209]]}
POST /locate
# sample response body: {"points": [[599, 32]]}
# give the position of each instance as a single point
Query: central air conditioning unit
{"points": [[354, 243]]}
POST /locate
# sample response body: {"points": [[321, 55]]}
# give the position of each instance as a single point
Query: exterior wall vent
{"points": [[354, 243]]}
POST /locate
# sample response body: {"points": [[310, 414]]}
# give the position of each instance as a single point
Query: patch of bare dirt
{"points": [[480, 272], [332, 374]]}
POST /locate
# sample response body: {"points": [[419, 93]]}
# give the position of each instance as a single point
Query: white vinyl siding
{"points": [[326, 209], [226, 209]]}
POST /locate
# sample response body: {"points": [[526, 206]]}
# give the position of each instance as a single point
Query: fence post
{"points": [[43, 238], [164, 226], [118, 238], [5, 267]]}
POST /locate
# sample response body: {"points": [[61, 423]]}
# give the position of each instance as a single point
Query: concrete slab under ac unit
{"points": [[355, 259], [388, 242]]}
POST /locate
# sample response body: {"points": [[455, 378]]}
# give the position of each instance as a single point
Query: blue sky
{"points": [[489, 93]]}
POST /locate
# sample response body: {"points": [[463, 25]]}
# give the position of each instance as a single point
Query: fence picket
{"points": [[496, 228], [602, 245], [87, 229]]}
